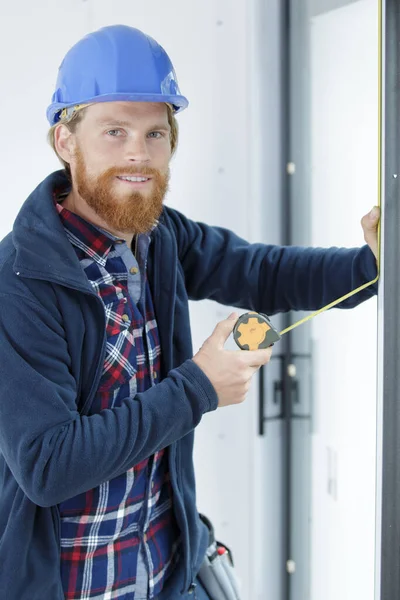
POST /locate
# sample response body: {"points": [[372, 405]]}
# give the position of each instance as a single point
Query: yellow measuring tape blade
{"points": [[365, 285]]}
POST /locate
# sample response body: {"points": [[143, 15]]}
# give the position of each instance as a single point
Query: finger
{"points": [[370, 227], [223, 330], [370, 221], [256, 358]]}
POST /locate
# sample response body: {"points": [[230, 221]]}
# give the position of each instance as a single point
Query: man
{"points": [[99, 390]]}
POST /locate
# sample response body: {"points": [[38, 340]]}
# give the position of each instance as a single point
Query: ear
{"points": [[64, 141]]}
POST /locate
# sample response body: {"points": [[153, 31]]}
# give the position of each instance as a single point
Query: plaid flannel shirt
{"points": [[120, 540]]}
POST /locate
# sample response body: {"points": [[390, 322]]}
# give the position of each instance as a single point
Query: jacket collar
{"points": [[43, 250]]}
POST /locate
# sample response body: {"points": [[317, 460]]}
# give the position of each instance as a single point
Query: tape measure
{"points": [[254, 330]]}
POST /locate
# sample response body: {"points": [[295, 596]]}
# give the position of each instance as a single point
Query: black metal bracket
{"points": [[279, 397]]}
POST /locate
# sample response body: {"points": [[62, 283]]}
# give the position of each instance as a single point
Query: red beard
{"points": [[133, 213]]}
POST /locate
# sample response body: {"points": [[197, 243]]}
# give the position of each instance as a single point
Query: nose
{"points": [[137, 150]]}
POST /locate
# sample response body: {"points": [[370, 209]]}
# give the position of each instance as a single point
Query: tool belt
{"points": [[217, 573]]}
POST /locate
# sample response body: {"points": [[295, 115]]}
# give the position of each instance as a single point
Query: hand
{"points": [[230, 371], [370, 226]]}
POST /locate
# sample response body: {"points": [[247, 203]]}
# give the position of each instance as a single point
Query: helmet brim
{"points": [[178, 102]]}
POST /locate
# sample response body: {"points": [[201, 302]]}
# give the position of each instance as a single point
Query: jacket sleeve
{"points": [[54, 452], [221, 266]]}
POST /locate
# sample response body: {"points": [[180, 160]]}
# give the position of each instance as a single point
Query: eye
{"points": [[156, 134], [114, 132]]}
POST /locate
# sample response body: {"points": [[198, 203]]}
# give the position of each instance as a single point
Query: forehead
{"points": [[127, 111]]}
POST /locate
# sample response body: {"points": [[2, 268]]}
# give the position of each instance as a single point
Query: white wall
{"points": [[31, 47], [344, 187], [216, 177], [226, 171]]}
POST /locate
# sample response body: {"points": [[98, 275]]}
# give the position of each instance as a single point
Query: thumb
{"points": [[370, 220], [370, 226], [223, 330]]}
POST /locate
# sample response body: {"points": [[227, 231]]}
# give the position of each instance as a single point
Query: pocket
{"points": [[217, 573], [120, 362], [118, 316]]}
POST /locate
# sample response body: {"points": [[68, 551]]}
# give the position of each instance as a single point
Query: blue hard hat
{"points": [[115, 63]]}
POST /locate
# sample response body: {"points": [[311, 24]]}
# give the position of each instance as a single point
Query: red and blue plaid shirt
{"points": [[120, 540]]}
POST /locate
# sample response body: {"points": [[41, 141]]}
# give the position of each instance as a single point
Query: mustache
{"points": [[132, 170]]}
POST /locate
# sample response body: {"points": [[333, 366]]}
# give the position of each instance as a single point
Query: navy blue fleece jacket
{"points": [[52, 344]]}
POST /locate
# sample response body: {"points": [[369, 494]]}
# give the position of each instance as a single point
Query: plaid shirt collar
{"points": [[94, 241]]}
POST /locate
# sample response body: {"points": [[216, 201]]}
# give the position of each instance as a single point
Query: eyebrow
{"points": [[119, 123]]}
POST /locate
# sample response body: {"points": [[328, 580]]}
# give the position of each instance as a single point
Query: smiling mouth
{"points": [[134, 179]]}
